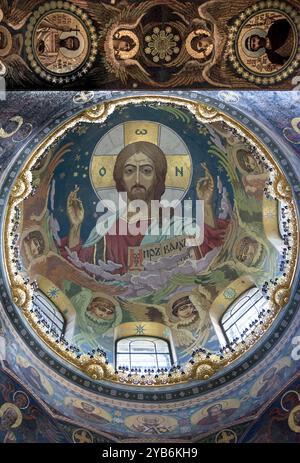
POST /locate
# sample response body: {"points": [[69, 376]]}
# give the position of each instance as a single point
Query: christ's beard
{"points": [[140, 192]]}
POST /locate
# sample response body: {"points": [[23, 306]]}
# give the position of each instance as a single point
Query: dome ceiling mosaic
{"points": [[193, 279]]}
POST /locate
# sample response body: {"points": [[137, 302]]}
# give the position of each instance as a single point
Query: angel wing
{"points": [[182, 337], [191, 72], [57, 269], [16, 12], [188, 12], [81, 300], [17, 71], [129, 18], [142, 312], [98, 11], [35, 206], [132, 68], [6, 389]]}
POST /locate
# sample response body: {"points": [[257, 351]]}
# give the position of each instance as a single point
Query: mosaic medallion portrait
{"points": [[266, 43], [60, 41]]}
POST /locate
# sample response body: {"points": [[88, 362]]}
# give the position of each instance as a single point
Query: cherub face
{"points": [[186, 311], [102, 308]]}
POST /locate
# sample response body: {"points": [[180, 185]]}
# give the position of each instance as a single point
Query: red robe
{"points": [[116, 246]]}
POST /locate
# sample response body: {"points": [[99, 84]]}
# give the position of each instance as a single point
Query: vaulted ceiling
{"points": [[65, 141]]}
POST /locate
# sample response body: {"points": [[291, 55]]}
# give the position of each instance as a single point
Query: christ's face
{"points": [[139, 177], [71, 43]]}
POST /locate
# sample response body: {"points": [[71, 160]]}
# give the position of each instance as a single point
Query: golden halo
{"points": [[291, 420], [191, 51], [261, 51], [70, 53], [220, 439], [131, 53], [7, 406], [180, 166], [284, 395], [82, 430]]}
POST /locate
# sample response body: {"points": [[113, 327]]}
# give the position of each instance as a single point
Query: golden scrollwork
{"points": [[21, 295], [207, 112], [282, 188], [95, 371], [21, 188], [96, 366], [96, 111], [280, 296], [204, 371]]}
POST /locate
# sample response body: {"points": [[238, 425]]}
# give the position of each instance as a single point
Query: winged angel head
{"points": [[13, 16]]}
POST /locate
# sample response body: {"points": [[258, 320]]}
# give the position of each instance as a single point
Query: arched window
{"points": [[143, 352], [47, 311], [245, 310]]}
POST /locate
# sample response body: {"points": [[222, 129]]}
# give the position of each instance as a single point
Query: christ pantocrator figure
{"points": [[140, 171]]}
